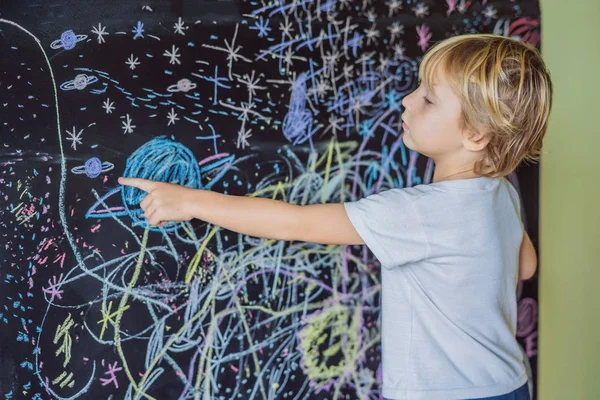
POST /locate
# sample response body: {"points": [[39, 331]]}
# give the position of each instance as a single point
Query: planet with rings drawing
{"points": [[93, 167], [67, 40], [80, 82], [183, 85]]}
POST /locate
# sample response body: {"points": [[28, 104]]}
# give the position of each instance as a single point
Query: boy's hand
{"points": [[165, 201]]}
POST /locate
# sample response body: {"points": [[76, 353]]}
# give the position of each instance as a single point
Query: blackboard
{"points": [[298, 101]]}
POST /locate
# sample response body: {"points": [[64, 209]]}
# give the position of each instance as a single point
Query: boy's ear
{"points": [[475, 140]]}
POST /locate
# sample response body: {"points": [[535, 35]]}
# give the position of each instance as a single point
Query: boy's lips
{"points": [[404, 124]]}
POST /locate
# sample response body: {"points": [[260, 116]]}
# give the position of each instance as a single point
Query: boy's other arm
{"points": [[527, 258]]}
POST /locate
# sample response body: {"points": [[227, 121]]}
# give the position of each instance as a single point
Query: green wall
{"points": [[569, 297]]}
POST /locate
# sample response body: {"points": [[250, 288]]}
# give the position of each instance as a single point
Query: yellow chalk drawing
{"points": [[67, 380], [119, 316], [107, 316], [205, 362], [330, 343], [59, 378], [18, 208], [62, 331], [187, 230], [198, 256]]}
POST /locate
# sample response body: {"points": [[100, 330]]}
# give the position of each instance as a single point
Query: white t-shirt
{"points": [[450, 256]]}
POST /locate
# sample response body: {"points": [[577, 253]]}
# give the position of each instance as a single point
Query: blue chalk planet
{"points": [[93, 167], [67, 40], [162, 160]]}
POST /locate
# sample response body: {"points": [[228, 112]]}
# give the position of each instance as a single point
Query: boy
{"points": [[452, 251]]}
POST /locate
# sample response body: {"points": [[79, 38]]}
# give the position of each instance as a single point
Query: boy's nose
{"points": [[405, 102]]}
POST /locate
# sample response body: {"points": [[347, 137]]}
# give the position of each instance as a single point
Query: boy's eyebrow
{"points": [[433, 92], [430, 89]]}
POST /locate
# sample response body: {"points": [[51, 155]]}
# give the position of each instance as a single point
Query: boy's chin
{"points": [[408, 143]]}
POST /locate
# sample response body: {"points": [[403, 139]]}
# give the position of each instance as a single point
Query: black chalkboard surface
{"points": [[292, 100]]}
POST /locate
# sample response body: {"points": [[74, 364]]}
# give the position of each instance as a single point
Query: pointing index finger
{"points": [[139, 183]]}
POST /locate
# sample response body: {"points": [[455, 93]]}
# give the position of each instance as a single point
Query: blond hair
{"points": [[505, 92]]}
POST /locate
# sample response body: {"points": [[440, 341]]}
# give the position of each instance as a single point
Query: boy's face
{"points": [[432, 120]]}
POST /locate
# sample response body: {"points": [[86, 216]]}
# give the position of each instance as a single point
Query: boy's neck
{"points": [[447, 173]]}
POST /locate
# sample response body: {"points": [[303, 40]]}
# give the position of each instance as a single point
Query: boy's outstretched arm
{"points": [[254, 216]]}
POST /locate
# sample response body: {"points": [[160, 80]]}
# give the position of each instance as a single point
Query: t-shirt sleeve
{"points": [[389, 224]]}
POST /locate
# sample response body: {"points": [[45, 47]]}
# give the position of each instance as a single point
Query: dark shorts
{"points": [[521, 393]]}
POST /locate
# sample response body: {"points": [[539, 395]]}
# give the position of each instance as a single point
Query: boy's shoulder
{"points": [[415, 192], [454, 188], [440, 194]]}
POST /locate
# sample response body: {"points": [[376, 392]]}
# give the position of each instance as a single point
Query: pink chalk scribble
{"points": [[463, 6], [424, 36], [527, 29], [52, 290], [112, 377], [527, 316], [451, 6]]}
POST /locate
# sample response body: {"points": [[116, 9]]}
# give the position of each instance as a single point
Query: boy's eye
{"points": [[427, 100]]}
